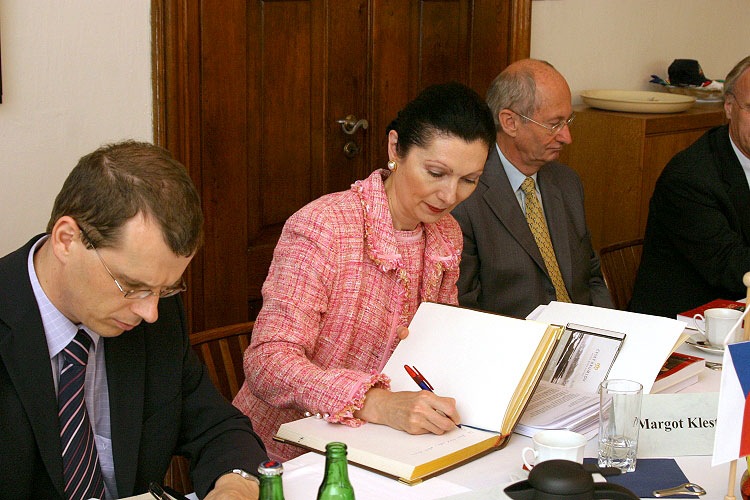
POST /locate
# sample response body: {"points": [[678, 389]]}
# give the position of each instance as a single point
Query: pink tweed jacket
{"points": [[334, 297]]}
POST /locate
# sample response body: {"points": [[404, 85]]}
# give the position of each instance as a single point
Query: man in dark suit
{"points": [[526, 241], [697, 243], [98, 383]]}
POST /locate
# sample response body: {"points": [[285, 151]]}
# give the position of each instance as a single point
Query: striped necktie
{"points": [[81, 471], [538, 226]]}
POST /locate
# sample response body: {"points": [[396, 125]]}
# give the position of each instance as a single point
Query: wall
{"points": [[618, 44], [76, 74]]}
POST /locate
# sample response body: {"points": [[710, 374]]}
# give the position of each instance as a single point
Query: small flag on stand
{"points": [[732, 439]]}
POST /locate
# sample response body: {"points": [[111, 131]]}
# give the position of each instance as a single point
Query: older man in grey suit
{"points": [[526, 241]]}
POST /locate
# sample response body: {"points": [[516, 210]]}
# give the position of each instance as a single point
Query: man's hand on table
{"points": [[233, 487]]}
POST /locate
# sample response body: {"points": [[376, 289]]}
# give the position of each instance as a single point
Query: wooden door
{"points": [[248, 93]]}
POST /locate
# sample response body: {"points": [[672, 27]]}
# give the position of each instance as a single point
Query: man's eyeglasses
{"points": [[134, 294], [552, 129]]}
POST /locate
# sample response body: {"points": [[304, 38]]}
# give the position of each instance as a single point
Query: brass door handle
{"points": [[350, 124]]}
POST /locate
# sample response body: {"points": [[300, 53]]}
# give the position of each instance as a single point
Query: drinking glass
{"points": [[619, 422]]}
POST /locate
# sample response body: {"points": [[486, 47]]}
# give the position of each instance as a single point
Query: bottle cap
{"points": [[270, 468]]}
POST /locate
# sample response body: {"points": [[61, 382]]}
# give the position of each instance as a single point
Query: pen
{"points": [[416, 378], [164, 492], [423, 384]]}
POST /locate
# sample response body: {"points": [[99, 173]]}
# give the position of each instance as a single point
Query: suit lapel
{"points": [[732, 174], [23, 349], [126, 362], [554, 212], [504, 204]]}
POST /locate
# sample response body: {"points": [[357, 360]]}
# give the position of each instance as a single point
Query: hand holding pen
{"points": [[423, 384]]}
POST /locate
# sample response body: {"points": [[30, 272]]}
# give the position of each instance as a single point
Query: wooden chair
{"points": [[619, 266], [221, 350]]}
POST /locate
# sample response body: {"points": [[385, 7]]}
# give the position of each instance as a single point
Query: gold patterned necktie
{"points": [[538, 226]]}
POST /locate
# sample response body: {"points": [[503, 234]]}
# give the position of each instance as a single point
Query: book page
{"points": [[381, 447], [477, 358], [649, 339]]}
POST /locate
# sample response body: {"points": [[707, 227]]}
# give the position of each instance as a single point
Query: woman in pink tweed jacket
{"points": [[350, 270]]}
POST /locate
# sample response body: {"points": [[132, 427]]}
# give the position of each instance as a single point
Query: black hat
{"points": [[684, 72]]}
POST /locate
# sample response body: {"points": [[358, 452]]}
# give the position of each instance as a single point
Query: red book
{"points": [[687, 316], [679, 371]]}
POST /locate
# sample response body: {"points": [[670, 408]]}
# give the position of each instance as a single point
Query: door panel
{"points": [[286, 81], [224, 175], [443, 42], [247, 95], [347, 93]]}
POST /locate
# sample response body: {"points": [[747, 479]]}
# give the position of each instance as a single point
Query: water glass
{"points": [[619, 422]]}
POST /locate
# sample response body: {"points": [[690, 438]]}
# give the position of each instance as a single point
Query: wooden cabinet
{"points": [[619, 156]]}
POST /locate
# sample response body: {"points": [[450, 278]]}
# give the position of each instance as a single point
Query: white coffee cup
{"points": [[718, 321], [555, 444]]}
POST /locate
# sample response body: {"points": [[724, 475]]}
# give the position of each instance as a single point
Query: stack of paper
{"points": [[556, 407], [648, 342]]}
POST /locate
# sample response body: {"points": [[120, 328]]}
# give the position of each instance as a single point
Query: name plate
{"points": [[676, 425]]}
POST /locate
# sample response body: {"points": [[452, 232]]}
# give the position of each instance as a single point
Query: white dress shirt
{"points": [[744, 160]]}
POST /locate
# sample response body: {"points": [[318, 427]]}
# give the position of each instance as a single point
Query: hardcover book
{"points": [[687, 316], [677, 370]]}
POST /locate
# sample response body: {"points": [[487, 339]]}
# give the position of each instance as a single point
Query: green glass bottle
{"points": [[270, 480], [336, 485]]}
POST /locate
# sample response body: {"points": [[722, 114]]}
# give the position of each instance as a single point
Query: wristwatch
{"points": [[244, 474]]}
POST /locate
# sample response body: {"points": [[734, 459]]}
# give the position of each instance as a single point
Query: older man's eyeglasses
{"points": [[553, 129], [134, 294]]}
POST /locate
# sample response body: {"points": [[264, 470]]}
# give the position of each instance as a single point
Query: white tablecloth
{"points": [[485, 477]]}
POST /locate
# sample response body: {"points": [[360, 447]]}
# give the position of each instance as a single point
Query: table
{"points": [[486, 477]]}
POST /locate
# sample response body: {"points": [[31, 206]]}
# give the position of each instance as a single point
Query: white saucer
{"points": [[704, 346]]}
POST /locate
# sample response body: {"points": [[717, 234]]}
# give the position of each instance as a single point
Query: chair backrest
{"points": [[619, 266], [221, 350]]}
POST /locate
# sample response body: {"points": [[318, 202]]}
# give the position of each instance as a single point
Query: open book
{"points": [[407, 457], [489, 363]]}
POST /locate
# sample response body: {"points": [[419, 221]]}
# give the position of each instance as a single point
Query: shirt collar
{"points": [[515, 176], [58, 329], [744, 160]]}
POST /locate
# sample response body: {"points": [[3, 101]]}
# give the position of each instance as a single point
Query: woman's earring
{"points": [[392, 165]]}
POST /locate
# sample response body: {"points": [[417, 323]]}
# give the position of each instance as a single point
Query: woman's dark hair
{"points": [[444, 109]]}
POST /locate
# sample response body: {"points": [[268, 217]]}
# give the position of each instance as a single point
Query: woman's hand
{"points": [[413, 412]]}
